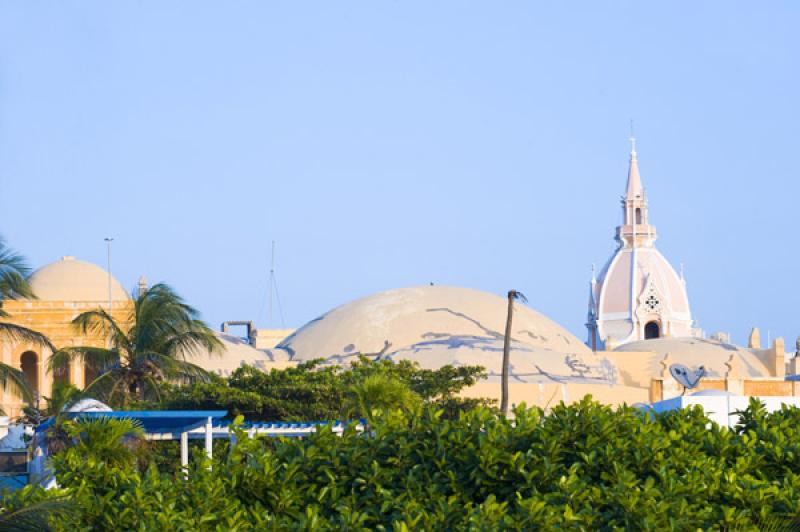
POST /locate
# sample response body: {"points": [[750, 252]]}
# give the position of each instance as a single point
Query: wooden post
{"points": [[512, 294]]}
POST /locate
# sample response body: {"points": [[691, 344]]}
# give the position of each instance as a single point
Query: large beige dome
{"points": [[439, 325], [75, 280]]}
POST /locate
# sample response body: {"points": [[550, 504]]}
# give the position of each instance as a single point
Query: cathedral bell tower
{"points": [[635, 230], [637, 295]]}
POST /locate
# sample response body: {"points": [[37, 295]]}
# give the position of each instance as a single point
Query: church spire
{"points": [[635, 190], [635, 230]]}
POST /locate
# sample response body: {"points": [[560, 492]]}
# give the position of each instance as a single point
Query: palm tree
{"points": [[164, 332], [108, 440], [378, 393], [14, 284], [512, 296]]}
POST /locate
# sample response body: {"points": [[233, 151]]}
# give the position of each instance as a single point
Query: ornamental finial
{"points": [[633, 140]]}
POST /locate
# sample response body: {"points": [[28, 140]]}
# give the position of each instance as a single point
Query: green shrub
{"points": [[312, 391], [584, 466]]}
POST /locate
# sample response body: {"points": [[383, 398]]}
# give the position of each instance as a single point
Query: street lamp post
{"points": [[108, 242]]}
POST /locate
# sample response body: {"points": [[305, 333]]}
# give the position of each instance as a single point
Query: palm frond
{"points": [[519, 296], [161, 313], [13, 380], [154, 386], [174, 369], [97, 359], [35, 517], [20, 334], [106, 386], [193, 343], [14, 272], [64, 395], [378, 393], [100, 322], [106, 438]]}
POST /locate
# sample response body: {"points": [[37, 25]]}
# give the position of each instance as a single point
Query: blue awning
{"points": [[153, 421]]}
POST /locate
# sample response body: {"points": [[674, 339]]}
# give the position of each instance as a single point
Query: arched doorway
{"points": [[29, 364], [652, 330]]}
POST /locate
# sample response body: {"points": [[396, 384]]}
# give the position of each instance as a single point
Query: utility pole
{"points": [[512, 295]]}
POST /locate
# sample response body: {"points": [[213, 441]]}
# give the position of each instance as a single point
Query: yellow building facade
{"points": [[64, 289]]}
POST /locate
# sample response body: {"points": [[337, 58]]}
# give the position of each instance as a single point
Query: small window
{"points": [[638, 216], [652, 330]]}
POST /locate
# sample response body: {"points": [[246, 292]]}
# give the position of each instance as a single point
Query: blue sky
{"points": [[386, 144]]}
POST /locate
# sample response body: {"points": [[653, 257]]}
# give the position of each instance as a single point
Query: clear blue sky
{"points": [[393, 143]]}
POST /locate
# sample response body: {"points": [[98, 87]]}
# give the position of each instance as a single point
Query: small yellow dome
{"points": [[76, 281]]}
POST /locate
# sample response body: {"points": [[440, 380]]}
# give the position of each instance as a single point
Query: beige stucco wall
{"points": [[54, 320], [269, 338], [634, 368], [547, 395]]}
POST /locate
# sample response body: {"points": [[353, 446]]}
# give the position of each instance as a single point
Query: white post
{"points": [[185, 454], [209, 440]]}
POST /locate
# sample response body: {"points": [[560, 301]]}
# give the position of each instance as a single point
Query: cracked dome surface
{"points": [[439, 325]]}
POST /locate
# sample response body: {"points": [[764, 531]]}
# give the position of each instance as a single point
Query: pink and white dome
{"points": [[638, 295], [638, 286]]}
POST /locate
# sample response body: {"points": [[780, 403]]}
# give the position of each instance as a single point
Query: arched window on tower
{"points": [[638, 216], [652, 330], [29, 364]]}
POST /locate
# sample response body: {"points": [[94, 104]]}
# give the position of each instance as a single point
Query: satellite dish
{"points": [[688, 378]]}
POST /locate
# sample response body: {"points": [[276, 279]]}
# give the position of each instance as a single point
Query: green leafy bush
{"points": [[584, 466], [311, 391]]}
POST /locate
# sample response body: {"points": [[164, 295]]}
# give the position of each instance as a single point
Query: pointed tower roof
{"points": [[635, 189]]}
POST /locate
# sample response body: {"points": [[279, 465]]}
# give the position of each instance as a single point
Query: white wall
{"points": [[721, 408]]}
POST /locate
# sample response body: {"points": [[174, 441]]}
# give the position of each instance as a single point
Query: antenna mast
{"points": [[271, 281], [274, 295]]}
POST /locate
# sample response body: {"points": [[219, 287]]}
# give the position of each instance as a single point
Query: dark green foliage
{"points": [[580, 467], [311, 391], [33, 510]]}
